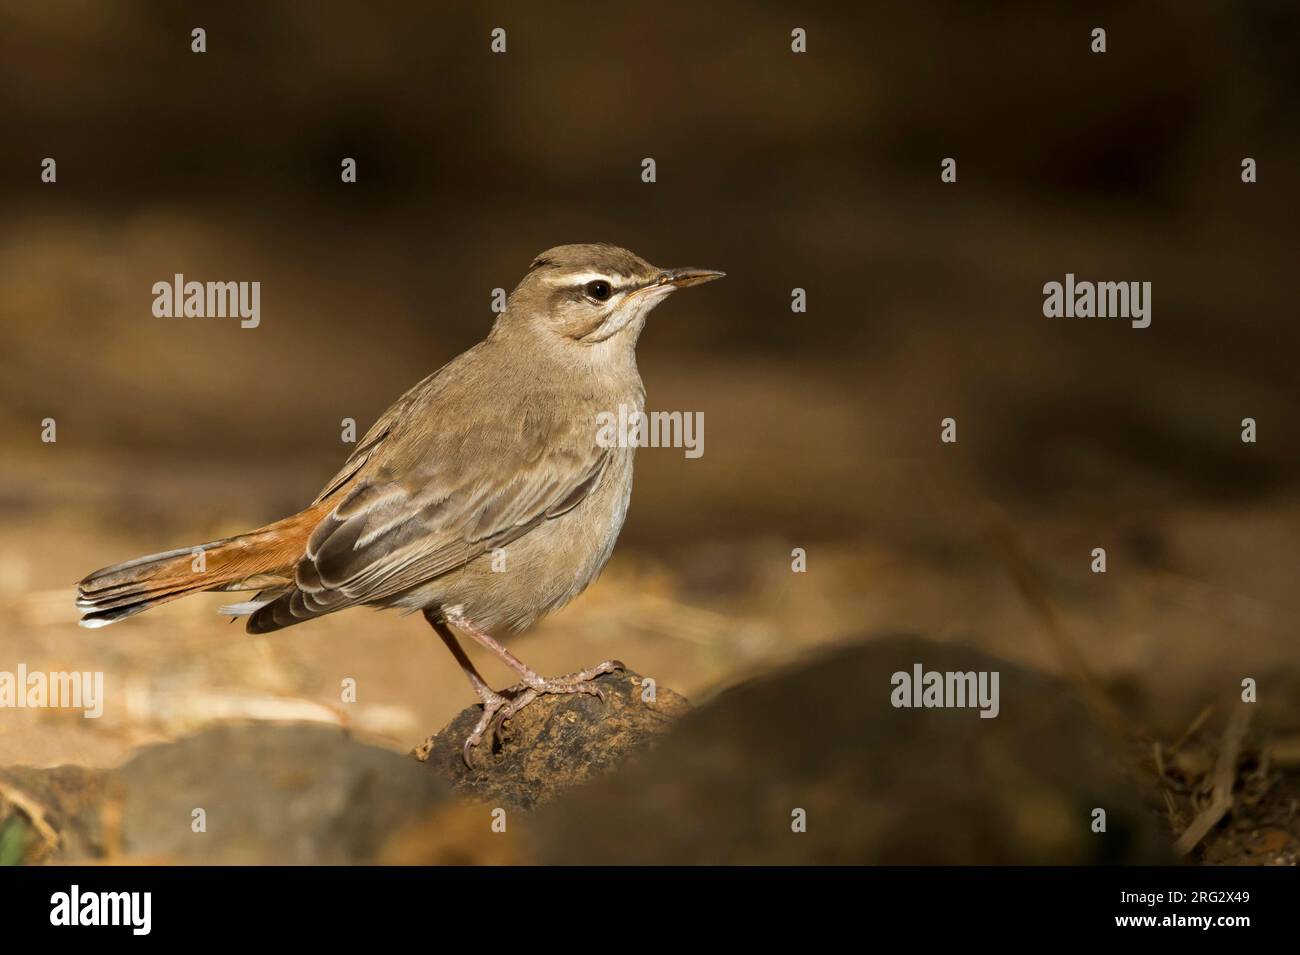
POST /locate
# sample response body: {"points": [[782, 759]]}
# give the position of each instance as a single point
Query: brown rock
{"points": [[555, 743], [283, 794]]}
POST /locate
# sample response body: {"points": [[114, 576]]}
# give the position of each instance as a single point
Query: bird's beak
{"points": [[684, 278]]}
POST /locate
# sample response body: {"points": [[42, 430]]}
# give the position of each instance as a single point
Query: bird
{"points": [[484, 497]]}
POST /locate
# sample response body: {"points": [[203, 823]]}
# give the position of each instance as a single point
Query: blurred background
{"points": [[818, 171]]}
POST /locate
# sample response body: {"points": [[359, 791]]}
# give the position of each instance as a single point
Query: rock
{"points": [[555, 743], [284, 794], [876, 784], [271, 793], [576, 780]]}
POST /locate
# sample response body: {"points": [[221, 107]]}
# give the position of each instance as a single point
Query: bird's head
{"points": [[584, 295]]}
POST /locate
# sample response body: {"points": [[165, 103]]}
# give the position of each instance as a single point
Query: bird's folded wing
{"points": [[407, 516]]}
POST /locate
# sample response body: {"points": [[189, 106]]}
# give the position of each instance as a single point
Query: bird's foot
{"points": [[493, 703], [500, 707], [583, 681]]}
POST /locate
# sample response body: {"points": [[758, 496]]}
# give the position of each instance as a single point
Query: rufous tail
{"points": [[261, 559]]}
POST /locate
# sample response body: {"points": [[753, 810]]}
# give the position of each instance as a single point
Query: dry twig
{"points": [[1224, 780], [33, 810]]}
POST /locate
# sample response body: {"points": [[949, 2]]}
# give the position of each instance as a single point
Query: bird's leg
{"points": [[533, 685], [577, 682], [492, 702]]}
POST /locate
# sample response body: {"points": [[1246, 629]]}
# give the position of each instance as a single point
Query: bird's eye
{"points": [[598, 290]]}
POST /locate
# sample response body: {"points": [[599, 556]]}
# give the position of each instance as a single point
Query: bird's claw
{"points": [[498, 708]]}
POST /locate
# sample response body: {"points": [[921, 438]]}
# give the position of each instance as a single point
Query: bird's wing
{"points": [[423, 502]]}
